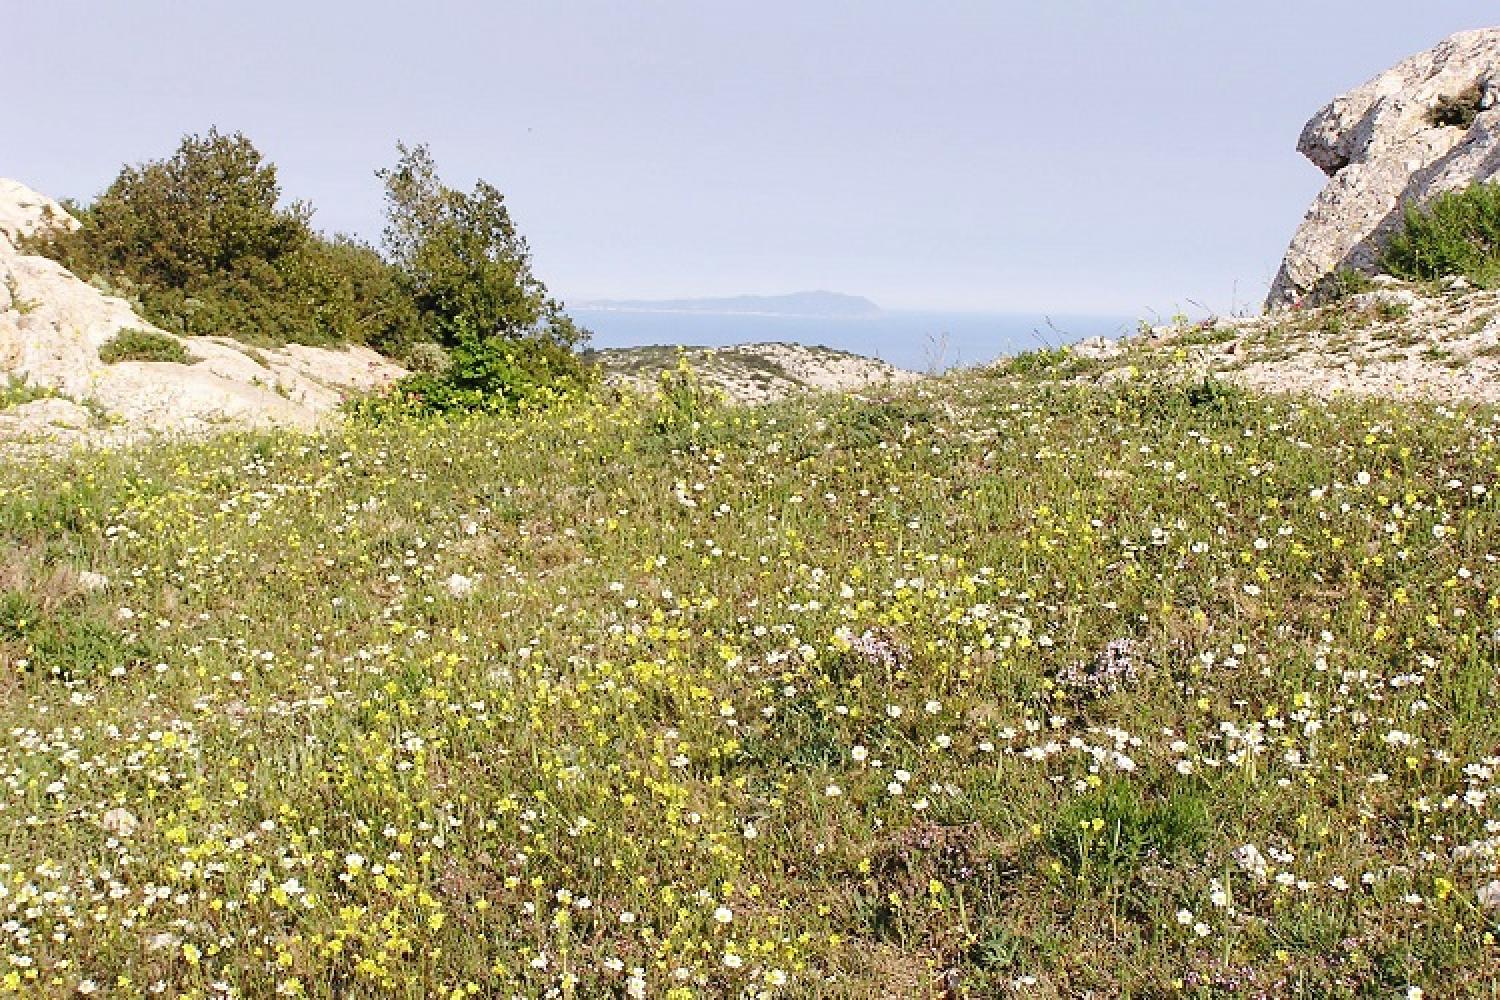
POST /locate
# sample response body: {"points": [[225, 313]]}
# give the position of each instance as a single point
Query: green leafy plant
{"points": [[1043, 361], [682, 401], [1457, 233], [486, 375], [1343, 284], [144, 345], [1104, 836], [18, 391], [62, 642]]}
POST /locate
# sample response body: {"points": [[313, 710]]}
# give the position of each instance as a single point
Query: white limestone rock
{"points": [[1382, 150]]}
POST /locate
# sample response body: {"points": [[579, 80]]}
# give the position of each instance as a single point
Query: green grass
{"points": [[144, 345], [789, 695], [18, 391]]}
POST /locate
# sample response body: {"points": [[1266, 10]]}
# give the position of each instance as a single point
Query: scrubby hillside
{"points": [[78, 365], [749, 373], [992, 687]]}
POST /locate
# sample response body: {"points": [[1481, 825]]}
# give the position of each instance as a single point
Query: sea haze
{"points": [[919, 341]]}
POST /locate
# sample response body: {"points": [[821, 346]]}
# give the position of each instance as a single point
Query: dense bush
{"points": [[144, 345], [1457, 233], [201, 243], [486, 375]]}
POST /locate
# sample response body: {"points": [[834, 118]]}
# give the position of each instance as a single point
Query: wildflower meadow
{"points": [[987, 686]]}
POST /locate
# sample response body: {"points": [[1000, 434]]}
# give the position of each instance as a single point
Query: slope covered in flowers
{"points": [[987, 688]]}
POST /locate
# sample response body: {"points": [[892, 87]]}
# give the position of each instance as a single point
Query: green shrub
{"points": [[1208, 400], [144, 345], [486, 375], [1457, 233], [201, 243], [428, 358], [204, 248], [1342, 284]]}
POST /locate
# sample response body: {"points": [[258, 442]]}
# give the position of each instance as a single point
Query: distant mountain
{"points": [[830, 304]]}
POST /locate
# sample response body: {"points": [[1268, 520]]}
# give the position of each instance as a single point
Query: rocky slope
{"points": [[751, 373], [52, 325], [1397, 341]]}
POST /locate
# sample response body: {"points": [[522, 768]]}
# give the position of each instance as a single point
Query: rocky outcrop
{"points": [[52, 325], [750, 373], [1428, 125]]}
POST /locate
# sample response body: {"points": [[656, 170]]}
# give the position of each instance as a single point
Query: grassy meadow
{"points": [[987, 687]]}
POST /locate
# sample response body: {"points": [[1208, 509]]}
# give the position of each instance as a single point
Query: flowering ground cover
{"points": [[986, 688]]}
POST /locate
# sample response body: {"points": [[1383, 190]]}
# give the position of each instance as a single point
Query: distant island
{"points": [[805, 304]]}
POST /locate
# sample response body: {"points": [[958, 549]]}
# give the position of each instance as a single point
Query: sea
{"points": [[918, 341]]}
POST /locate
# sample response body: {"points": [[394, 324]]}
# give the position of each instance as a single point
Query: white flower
{"points": [[459, 585], [1251, 861], [859, 753], [119, 822], [1489, 895], [91, 581], [723, 914]]}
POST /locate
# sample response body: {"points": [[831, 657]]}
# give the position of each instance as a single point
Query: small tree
{"points": [[466, 266]]}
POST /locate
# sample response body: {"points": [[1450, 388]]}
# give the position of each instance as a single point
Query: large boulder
{"points": [[1428, 125], [52, 325]]}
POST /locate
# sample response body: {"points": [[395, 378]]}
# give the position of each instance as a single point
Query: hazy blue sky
{"points": [[1067, 156]]}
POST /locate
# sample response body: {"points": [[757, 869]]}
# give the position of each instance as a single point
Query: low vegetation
{"points": [[1456, 234], [144, 345], [17, 391], [995, 687]]}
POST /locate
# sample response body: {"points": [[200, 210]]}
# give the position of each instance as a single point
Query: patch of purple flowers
{"points": [[1110, 669]]}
